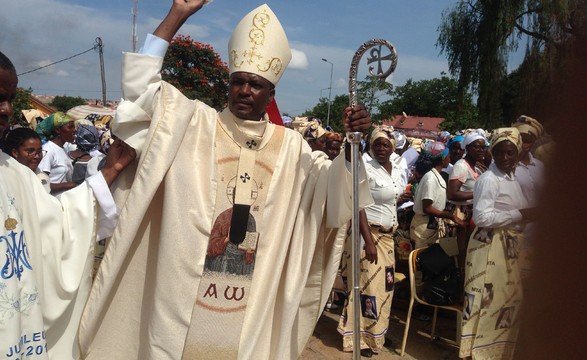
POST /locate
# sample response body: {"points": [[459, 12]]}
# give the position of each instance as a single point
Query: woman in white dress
{"points": [[56, 130]]}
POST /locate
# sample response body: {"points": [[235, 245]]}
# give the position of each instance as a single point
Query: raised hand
{"points": [[180, 11]]}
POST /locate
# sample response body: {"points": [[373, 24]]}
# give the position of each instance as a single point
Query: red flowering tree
{"points": [[197, 71]]}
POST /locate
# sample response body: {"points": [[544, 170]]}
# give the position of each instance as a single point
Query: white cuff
{"points": [[154, 46], [107, 210]]}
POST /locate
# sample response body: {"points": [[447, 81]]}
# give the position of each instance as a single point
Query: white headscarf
{"points": [[471, 137]]}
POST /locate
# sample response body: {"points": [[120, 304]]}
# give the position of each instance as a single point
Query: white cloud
{"points": [[299, 60]]}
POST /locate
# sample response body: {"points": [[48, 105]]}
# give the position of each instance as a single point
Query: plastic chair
{"points": [[413, 268]]}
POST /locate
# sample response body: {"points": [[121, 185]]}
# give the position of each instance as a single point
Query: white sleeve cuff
{"points": [[154, 46], [107, 210]]}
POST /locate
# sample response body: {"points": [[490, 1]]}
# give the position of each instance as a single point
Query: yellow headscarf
{"points": [[528, 125], [380, 133], [510, 133]]}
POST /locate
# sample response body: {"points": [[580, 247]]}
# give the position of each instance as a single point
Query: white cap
{"points": [[258, 45]]}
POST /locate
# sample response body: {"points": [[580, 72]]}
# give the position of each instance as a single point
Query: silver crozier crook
{"points": [[354, 138]]}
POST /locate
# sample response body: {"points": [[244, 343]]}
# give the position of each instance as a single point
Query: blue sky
{"points": [[39, 32]]}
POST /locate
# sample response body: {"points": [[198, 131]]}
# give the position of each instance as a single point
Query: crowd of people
{"points": [[476, 186], [230, 223]]}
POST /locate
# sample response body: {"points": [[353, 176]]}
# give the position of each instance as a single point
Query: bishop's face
{"points": [[249, 95]]}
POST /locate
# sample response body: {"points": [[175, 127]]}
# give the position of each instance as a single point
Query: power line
{"points": [[57, 62]]}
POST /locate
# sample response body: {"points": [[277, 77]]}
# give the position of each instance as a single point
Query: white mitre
{"points": [[258, 45]]}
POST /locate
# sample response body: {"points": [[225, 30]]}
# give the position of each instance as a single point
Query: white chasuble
{"points": [[245, 164], [170, 282]]}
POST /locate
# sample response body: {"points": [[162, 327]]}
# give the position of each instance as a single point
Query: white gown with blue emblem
{"points": [[45, 263]]}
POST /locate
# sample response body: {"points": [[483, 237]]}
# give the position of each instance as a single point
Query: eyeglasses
{"points": [[33, 152]]}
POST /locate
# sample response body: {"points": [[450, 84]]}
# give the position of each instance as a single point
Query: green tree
{"points": [[197, 71], [64, 103], [369, 93], [320, 111], [20, 102], [436, 97], [478, 36]]}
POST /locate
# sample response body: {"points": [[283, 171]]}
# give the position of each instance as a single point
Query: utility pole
{"points": [[100, 46], [329, 92], [135, 13]]}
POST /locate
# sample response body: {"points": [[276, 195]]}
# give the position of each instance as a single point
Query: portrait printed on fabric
{"points": [[483, 235], [487, 297], [468, 305], [504, 320], [511, 245], [369, 306], [389, 272], [231, 256]]}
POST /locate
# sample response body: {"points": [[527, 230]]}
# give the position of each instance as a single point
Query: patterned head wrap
{"points": [[105, 141], [46, 128], [381, 131], [83, 121], [434, 150], [457, 139], [443, 137], [332, 136], [309, 127], [502, 134], [87, 137], [528, 125], [388, 130], [417, 144]]}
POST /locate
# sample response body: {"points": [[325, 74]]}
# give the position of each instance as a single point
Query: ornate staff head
{"points": [[375, 57]]}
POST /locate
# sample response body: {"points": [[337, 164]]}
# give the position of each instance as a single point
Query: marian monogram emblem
{"points": [[17, 255]]}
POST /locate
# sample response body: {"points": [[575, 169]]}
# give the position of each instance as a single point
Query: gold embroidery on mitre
{"points": [[254, 54], [10, 224]]}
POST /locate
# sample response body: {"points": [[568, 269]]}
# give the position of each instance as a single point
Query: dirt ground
{"points": [[326, 342]]}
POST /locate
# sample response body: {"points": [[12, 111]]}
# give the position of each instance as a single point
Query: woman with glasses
{"points": [[461, 184], [24, 145]]}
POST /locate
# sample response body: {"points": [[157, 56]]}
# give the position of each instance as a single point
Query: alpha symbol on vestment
{"points": [[245, 177], [251, 144]]}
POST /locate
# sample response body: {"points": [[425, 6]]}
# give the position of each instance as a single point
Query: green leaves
{"points": [[197, 71]]}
